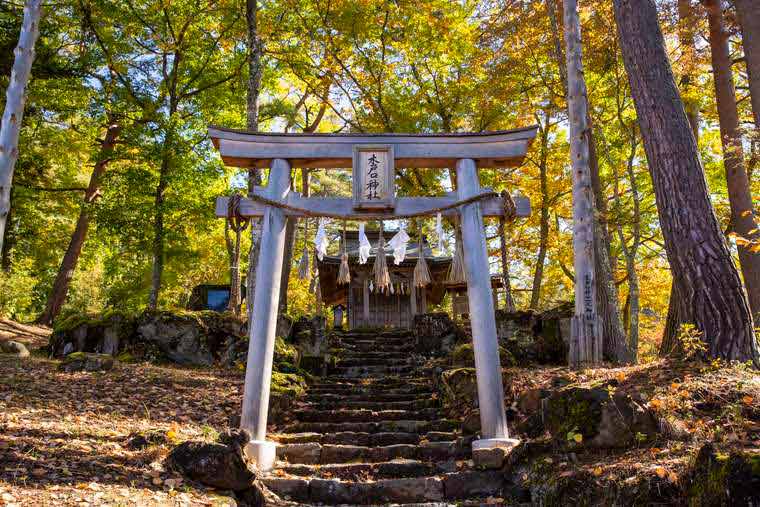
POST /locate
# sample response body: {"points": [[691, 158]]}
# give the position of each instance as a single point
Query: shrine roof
{"points": [[501, 148]]}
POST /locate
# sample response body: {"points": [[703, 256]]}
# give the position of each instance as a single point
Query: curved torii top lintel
{"points": [[504, 148]]}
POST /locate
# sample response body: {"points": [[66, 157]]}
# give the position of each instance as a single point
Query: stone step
{"points": [[379, 338], [361, 415], [335, 492], [365, 439], [355, 386], [390, 356], [377, 341], [362, 360], [372, 471], [370, 394], [351, 438], [378, 397], [333, 404], [312, 453], [411, 426], [448, 486], [417, 377], [372, 371], [372, 346]]}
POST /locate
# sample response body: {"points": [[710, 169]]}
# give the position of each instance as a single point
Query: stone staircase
{"points": [[371, 434]]}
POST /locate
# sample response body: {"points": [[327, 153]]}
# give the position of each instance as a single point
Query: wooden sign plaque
{"points": [[374, 177]]}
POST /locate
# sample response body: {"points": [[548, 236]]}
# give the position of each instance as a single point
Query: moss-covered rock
{"points": [[724, 479], [191, 338], [463, 356], [597, 416], [284, 352], [82, 361], [436, 334], [108, 333], [459, 390], [536, 337]]}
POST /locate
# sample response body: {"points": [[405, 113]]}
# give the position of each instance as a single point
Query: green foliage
{"points": [[16, 298], [165, 70], [690, 339]]}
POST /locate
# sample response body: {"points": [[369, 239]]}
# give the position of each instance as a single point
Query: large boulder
{"points": [[183, 338], [219, 465], [534, 337], [463, 356], [435, 333], [459, 391], [724, 479], [14, 348], [189, 338], [109, 333], [597, 416]]}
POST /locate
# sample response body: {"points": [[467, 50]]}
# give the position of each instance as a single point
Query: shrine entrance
{"points": [[373, 158]]}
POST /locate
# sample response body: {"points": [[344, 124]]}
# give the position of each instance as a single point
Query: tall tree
{"points": [[698, 253], [57, 296], [586, 340], [749, 19], [543, 233], [743, 222], [687, 21], [255, 50], [614, 346], [179, 39], [14, 105]]}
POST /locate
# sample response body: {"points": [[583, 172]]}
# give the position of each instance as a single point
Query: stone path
{"points": [[371, 434]]}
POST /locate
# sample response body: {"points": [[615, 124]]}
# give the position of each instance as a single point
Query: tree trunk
{"points": [[70, 259], [687, 21], [233, 252], [509, 302], [14, 105], [10, 238], [543, 243], [585, 343], [677, 316], [614, 346], [287, 265], [742, 213], [707, 279], [255, 50], [158, 229], [749, 18]]}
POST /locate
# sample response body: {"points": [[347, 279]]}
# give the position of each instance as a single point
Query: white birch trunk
{"points": [[14, 105], [585, 343]]}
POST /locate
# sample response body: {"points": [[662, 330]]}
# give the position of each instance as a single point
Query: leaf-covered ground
{"points": [[63, 436], [693, 402]]}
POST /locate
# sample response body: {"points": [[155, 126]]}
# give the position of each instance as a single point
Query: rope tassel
{"points": [[380, 269], [303, 264], [456, 274], [421, 276], [344, 274]]}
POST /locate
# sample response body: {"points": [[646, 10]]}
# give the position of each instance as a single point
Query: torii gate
{"points": [[373, 158]]}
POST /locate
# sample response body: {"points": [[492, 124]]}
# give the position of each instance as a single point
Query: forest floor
{"points": [[64, 437]]}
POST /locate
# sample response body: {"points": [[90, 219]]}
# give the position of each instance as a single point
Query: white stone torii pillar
{"points": [[263, 325], [493, 418]]}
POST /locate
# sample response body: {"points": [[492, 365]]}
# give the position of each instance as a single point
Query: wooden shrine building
{"points": [[368, 307]]}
